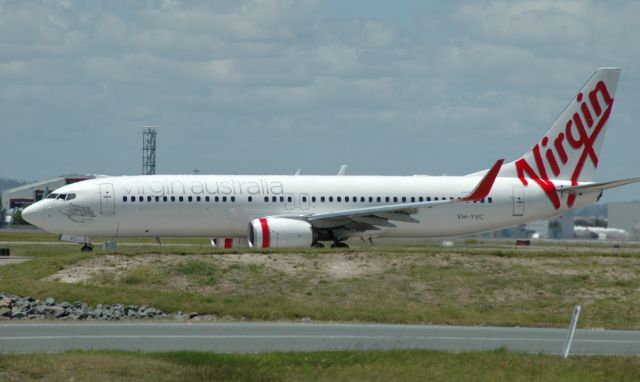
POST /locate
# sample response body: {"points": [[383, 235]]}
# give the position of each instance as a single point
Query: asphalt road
{"points": [[264, 337]]}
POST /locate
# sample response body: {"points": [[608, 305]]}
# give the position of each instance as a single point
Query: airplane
{"points": [[272, 211], [601, 233]]}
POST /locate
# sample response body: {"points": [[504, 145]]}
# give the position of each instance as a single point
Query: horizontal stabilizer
{"points": [[597, 187]]}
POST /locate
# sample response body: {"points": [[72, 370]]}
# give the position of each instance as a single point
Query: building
{"points": [[26, 194]]}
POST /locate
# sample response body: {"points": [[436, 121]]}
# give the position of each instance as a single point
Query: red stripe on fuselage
{"points": [[265, 233], [228, 242]]}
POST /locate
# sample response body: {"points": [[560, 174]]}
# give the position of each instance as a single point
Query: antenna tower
{"points": [[149, 150]]}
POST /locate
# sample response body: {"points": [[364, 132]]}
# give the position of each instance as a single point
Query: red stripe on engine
{"points": [[265, 233], [228, 242]]}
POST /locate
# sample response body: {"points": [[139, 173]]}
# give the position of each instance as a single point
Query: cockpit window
{"points": [[62, 196], [70, 197], [52, 196]]}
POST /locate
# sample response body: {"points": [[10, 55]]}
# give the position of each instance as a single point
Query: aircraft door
{"points": [[107, 199], [304, 201], [289, 201], [518, 201]]}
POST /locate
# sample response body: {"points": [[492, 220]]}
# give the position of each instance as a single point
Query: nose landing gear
{"points": [[87, 247]]}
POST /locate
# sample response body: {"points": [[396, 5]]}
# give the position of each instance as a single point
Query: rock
{"points": [[49, 301], [65, 304], [193, 315], [79, 314], [5, 311], [18, 315], [6, 302], [55, 312], [40, 309]]}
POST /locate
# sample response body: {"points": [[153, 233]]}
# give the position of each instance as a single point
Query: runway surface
{"points": [[265, 337]]}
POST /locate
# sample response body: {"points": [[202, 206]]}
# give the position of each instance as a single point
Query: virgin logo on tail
{"points": [[576, 139]]}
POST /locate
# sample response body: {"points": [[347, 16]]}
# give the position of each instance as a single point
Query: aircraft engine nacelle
{"points": [[279, 233]]}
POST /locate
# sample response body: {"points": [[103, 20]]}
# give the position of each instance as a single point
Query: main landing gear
{"points": [[87, 247], [339, 244]]}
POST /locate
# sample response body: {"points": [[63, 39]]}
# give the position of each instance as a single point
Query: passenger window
{"points": [[157, 198], [198, 199], [148, 198], [313, 199], [331, 198], [490, 200], [413, 199], [338, 199], [346, 199], [482, 200], [378, 199], [181, 198], [428, 198], [421, 199], [266, 198], [207, 199], [362, 199], [164, 198], [386, 199], [288, 199], [370, 199], [404, 199], [124, 198], [233, 198], [395, 199], [322, 199], [173, 198], [217, 199], [141, 198], [250, 198], [436, 198], [304, 199], [190, 198], [224, 198]]}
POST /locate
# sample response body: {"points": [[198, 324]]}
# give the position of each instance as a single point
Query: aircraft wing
{"points": [[380, 216], [597, 187]]}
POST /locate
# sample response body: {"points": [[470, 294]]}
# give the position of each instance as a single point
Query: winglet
{"points": [[484, 187]]}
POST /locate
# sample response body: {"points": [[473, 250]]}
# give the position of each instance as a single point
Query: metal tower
{"points": [[148, 150]]}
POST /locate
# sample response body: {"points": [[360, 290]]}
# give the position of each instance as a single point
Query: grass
{"points": [[408, 365], [483, 284]]}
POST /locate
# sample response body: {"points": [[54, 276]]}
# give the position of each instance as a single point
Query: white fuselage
{"points": [[223, 205]]}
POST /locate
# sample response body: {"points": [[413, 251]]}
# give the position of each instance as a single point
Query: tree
{"points": [[17, 219]]}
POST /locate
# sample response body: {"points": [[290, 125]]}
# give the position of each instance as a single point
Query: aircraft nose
{"points": [[33, 214]]}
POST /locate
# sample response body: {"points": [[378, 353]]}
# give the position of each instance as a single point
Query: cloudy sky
{"points": [[402, 87]]}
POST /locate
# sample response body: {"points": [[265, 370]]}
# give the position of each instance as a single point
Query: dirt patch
{"points": [[331, 266], [107, 264]]}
